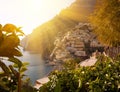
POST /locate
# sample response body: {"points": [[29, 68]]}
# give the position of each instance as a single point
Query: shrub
{"points": [[104, 76]]}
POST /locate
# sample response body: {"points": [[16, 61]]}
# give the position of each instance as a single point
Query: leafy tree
{"points": [[106, 21], [11, 75]]}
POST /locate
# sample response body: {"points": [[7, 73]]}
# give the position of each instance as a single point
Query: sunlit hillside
{"points": [[80, 10], [42, 38]]}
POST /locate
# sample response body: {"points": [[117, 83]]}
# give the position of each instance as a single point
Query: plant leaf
{"points": [[4, 68], [16, 61], [23, 69], [9, 28]]}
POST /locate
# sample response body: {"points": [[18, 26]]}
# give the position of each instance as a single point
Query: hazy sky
{"points": [[30, 13]]}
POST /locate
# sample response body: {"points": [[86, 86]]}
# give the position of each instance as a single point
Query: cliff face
{"points": [[78, 42], [42, 38]]}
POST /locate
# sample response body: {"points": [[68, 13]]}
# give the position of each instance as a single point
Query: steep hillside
{"points": [[79, 10], [79, 42], [42, 38]]}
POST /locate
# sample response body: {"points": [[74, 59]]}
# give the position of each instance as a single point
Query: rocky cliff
{"points": [[42, 38], [78, 42]]}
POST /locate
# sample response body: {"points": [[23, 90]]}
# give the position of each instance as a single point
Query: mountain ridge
{"points": [[42, 38]]}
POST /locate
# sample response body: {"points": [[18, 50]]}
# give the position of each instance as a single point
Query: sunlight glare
{"points": [[29, 14]]}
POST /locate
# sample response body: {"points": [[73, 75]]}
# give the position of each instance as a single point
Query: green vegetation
{"points": [[107, 22], [104, 76], [11, 75], [42, 38]]}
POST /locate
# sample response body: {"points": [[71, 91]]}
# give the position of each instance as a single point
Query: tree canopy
{"points": [[106, 21]]}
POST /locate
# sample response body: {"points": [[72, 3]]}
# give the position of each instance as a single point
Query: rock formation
{"points": [[42, 38], [76, 43]]}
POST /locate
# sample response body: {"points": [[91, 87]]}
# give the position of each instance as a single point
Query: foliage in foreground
{"points": [[11, 75], [104, 76]]}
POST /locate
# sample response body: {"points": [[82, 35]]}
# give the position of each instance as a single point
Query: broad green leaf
{"points": [[10, 52], [9, 28], [23, 69], [13, 70], [16, 52], [16, 61], [15, 65], [11, 41], [8, 46], [25, 63], [4, 68]]}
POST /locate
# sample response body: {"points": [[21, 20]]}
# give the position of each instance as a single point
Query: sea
{"points": [[37, 67]]}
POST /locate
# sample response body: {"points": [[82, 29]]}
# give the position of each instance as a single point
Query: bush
{"points": [[104, 76]]}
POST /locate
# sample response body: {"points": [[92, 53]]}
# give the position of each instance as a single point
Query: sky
{"points": [[29, 14]]}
